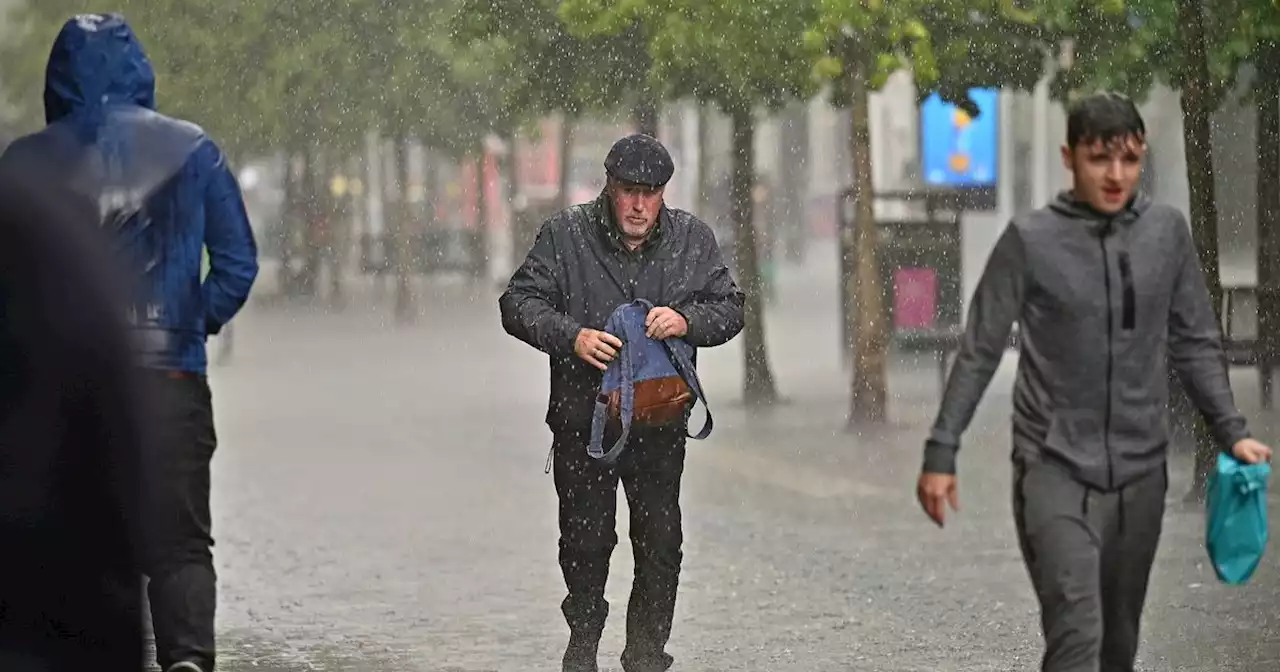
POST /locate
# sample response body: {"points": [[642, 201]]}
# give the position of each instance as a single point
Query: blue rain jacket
{"points": [[164, 189]]}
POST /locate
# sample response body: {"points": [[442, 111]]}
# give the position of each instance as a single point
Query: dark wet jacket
{"points": [[164, 189], [579, 271], [1102, 303], [71, 439]]}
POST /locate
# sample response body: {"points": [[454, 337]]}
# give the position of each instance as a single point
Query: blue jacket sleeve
{"points": [[233, 252]]}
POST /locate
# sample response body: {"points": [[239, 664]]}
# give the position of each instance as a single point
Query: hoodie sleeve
{"points": [[531, 305], [715, 311], [996, 305], [233, 253], [1195, 347]]}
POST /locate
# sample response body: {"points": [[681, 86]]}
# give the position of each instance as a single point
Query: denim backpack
{"points": [[1236, 530], [650, 383]]}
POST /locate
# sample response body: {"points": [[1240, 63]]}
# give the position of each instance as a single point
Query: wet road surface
{"points": [[380, 504]]}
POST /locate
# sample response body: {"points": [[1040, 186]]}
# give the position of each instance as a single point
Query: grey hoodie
{"points": [[1103, 302]]}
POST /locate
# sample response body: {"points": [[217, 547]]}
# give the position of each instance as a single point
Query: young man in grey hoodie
{"points": [[1105, 286]]}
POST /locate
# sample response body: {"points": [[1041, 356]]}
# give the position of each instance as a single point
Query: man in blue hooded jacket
{"points": [[166, 194]]}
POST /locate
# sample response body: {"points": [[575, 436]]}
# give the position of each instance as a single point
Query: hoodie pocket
{"points": [[1139, 429], [1076, 437]]}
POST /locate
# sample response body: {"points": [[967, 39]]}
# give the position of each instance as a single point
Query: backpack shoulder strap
{"points": [[684, 365], [626, 389]]}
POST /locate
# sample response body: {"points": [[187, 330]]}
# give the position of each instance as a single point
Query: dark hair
{"points": [[1105, 116]]}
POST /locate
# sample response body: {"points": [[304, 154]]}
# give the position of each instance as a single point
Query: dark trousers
{"points": [[182, 583], [1089, 554], [650, 472]]}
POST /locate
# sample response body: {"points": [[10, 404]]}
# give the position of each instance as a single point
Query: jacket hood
{"points": [[1067, 205], [96, 61]]}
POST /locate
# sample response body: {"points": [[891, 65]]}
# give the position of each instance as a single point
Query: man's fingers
{"points": [[953, 497], [937, 510], [930, 505], [605, 351], [610, 340]]}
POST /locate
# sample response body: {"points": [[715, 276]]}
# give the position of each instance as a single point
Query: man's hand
{"points": [[1251, 451], [935, 492], [663, 323], [596, 348]]}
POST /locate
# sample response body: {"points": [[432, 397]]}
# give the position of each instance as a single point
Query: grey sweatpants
{"points": [[1089, 554]]}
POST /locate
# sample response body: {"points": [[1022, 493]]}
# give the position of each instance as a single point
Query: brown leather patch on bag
{"points": [[658, 401]]}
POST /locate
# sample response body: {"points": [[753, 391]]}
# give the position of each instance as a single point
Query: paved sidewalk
{"points": [[380, 505]]}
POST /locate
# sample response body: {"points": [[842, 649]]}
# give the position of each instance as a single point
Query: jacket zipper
{"points": [[1128, 305], [1106, 427]]}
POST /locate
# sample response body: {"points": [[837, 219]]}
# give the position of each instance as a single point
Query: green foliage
{"points": [[950, 47], [290, 73], [737, 55], [981, 44], [546, 68], [194, 79], [882, 36], [421, 82], [1128, 46]]}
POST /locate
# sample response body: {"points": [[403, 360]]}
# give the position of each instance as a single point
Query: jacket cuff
{"points": [[570, 330], [691, 320], [1231, 432], [212, 327], [939, 458]]}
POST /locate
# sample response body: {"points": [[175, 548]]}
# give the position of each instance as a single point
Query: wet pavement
{"points": [[380, 504]]}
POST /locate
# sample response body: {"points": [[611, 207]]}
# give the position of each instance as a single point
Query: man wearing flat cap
{"points": [[586, 261]]}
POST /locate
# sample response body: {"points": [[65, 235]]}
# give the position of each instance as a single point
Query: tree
{"points": [[740, 56], [1264, 17], [857, 45], [950, 49], [554, 70], [981, 44]]}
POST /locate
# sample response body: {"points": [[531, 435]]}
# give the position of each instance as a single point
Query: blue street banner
{"points": [[958, 151]]}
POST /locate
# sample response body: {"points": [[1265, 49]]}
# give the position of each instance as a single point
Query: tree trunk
{"points": [[794, 150], [521, 236], [401, 241], [290, 216], [1197, 107], [870, 379], [479, 239], [645, 116], [758, 388], [1268, 190], [567, 124], [313, 222], [704, 159]]}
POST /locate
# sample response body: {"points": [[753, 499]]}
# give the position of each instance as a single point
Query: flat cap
{"points": [[640, 159]]}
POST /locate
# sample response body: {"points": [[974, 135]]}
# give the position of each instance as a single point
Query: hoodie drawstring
{"points": [[1120, 507]]}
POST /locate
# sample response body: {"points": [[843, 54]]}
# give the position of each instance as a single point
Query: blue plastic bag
{"points": [[1236, 531]]}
